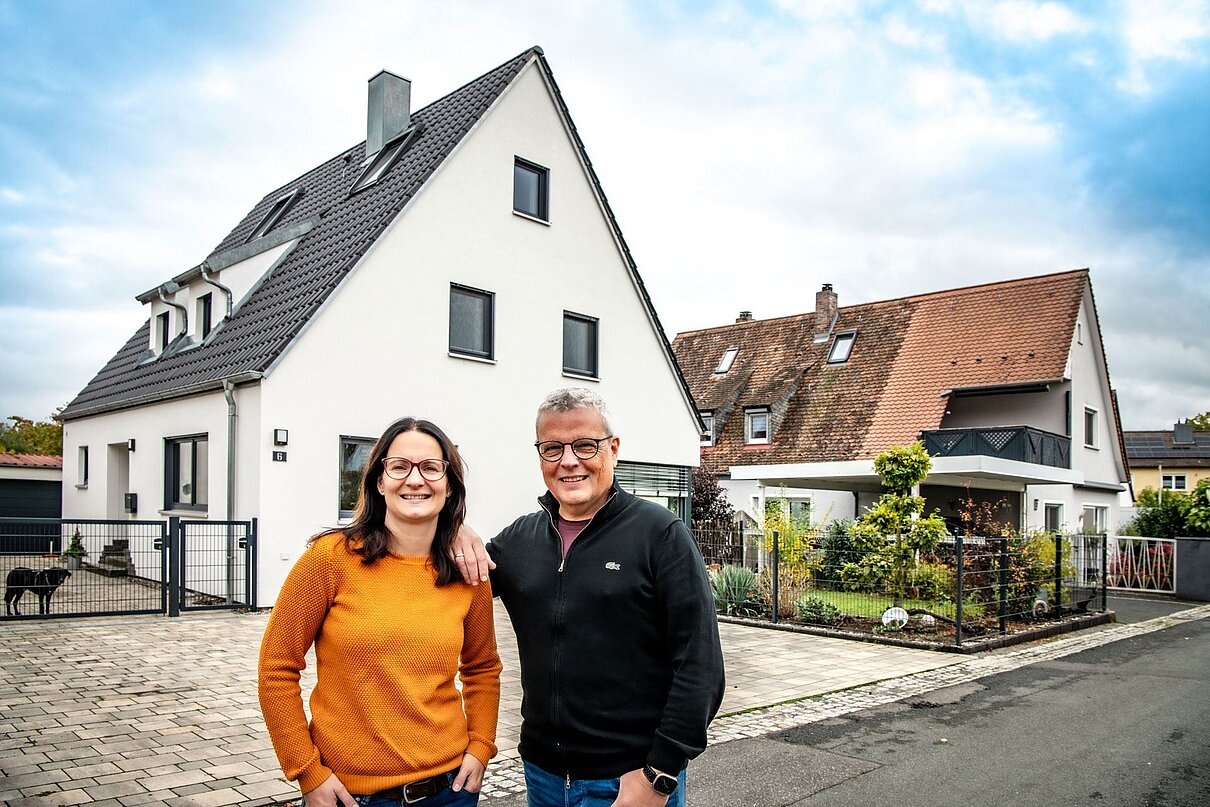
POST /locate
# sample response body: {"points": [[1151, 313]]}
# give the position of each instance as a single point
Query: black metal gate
{"points": [[215, 566], [90, 567]]}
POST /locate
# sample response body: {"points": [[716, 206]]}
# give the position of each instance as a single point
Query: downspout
{"points": [[232, 414], [205, 267], [184, 311]]}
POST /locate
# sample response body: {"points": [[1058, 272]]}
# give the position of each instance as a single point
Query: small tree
{"points": [[710, 505], [896, 521], [1200, 423]]}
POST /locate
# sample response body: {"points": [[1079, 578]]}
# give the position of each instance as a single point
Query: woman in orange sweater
{"points": [[391, 622]]}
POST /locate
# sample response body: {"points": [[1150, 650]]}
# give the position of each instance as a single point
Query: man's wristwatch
{"points": [[663, 783]]}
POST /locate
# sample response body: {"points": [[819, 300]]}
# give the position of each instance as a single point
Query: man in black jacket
{"points": [[621, 666]]}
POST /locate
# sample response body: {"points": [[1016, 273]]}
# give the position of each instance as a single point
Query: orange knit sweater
{"points": [[388, 642]]}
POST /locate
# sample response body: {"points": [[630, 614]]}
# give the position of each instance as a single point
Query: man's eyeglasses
{"points": [[585, 448], [401, 468]]}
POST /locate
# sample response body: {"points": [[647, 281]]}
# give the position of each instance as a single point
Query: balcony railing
{"points": [[1020, 443]]}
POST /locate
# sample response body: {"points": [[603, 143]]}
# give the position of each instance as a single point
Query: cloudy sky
{"points": [[751, 150]]}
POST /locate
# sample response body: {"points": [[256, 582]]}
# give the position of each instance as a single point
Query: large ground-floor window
{"points": [[187, 472]]}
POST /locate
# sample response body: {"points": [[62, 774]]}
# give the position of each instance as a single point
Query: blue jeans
{"points": [[545, 789]]}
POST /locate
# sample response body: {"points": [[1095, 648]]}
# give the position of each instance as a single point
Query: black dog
{"points": [[42, 583]]}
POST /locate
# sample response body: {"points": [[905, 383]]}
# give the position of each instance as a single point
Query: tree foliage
{"points": [[1201, 423], [20, 435], [897, 521], [1172, 515], [710, 503]]}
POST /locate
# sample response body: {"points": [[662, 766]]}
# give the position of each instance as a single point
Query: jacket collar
{"points": [[614, 503]]}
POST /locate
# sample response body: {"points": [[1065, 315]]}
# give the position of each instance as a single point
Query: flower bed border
{"points": [[1065, 624]]}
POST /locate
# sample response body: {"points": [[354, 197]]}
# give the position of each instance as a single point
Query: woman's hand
{"points": [[470, 775], [331, 793], [471, 557]]}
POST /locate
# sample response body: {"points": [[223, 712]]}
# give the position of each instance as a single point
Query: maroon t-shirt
{"points": [[569, 531]]}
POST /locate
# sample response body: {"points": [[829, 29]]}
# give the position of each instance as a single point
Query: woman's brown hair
{"points": [[367, 534]]}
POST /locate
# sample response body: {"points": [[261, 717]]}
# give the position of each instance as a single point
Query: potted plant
{"points": [[75, 552]]}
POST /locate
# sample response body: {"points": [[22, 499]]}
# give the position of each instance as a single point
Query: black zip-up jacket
{"points": [[621, 664]]}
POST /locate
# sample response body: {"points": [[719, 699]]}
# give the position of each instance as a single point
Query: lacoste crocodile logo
{"points": [[613, 566]]}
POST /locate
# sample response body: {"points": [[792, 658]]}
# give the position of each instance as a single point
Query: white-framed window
{"points": [[1053, 517], [187, 472], [82, 467], [1090, 427], [708, 434], [354, 454], [1175, 482], [756, 425], [472, 322], [205, 315], [580, 344], [1094, 520], [842, 346], [531, 189], [728, 359]]}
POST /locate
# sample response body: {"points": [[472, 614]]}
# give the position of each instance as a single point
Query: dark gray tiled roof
{"points": [[1150, 449], [277, 310]]}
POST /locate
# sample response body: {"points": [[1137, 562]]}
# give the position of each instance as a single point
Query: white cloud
{"points": [[1159, 32], [1025, 21]]}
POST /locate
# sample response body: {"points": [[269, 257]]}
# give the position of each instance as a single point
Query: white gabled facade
{"points": [[378, 349]]}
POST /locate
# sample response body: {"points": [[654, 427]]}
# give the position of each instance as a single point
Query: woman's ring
{"points": [[458, 555]]}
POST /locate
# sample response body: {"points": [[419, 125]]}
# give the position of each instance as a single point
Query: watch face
{"points": [[662, 783]]}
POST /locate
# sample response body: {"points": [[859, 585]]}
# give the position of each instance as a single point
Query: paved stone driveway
{"points": [[151, 710]]}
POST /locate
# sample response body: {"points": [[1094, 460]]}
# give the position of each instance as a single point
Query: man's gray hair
{"points": [[569, 398]]}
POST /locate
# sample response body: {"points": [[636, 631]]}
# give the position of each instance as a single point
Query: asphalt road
{"points": [[1124, 724]]}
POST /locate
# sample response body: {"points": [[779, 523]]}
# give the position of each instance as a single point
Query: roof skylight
{"points": [[727, 360], [842, 346]]}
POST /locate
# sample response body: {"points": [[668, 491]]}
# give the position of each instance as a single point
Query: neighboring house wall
{"points": [[749, 497], [115, 470], [1151, 477]]}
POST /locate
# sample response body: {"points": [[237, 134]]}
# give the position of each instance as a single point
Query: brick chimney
{"points": [[825, 312], [744, 316], [390, 110]]}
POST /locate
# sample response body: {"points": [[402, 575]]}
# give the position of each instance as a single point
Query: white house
{"points": [[459, 265], [1006, 383]]}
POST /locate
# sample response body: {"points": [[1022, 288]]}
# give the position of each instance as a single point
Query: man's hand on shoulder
{"points": [[471, 557], [635, 791]]}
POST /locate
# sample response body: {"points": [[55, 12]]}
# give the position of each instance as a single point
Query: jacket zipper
{"points": [[558, 648]]}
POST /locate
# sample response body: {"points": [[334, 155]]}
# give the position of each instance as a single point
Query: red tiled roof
{"points": [[907, 354], [31, 461]]}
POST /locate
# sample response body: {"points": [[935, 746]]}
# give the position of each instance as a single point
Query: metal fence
{"points": [[87, 567], [1142, 564], [968, 587]]}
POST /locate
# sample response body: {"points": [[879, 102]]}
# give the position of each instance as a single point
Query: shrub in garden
{"points": [[817, 611], [734, 590], [836, 548]]}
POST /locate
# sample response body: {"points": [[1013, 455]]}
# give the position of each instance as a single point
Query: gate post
{"points": [[958, 598], [252, 566], [775, 575], [174, 566], [1105, 572], [1003, 547], [1058, 609]]}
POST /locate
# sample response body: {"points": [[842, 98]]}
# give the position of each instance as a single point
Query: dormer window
{"points": [[708, 434], [205, 317], [842, 346], [728, 359], [756, 425], [275, 214], [376, 167]]}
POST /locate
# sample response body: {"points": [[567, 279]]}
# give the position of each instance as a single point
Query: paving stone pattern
{"points": [[150, 710]]}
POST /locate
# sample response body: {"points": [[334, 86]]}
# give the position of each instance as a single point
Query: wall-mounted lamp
{"points": [[130, 444], [281, 437]]}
